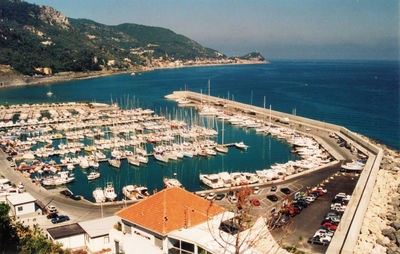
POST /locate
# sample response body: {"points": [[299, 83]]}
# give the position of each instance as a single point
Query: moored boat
{"points": [[221, 149], [93, 175], [241, 145], [171, 182], [98, 195], [134, 192], [109, 192], [115, 163]]}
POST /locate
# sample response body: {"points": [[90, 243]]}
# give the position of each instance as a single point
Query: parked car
{"points": [[255, 202], [309, 198], [233, 199], [314, 240], [330, 220], [220, 196], [317, 192], [59, 219], [329, 226], [66, 193], [51, 209], [256, 190], [334, 213], [322, 189], [301, 202], [52, 215], [273, 188], [211, 196], [325, 240], [323, 232], [272, 197], [286, 190]]}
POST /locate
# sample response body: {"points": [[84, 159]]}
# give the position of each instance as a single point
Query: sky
{"points": [[279, 29]]}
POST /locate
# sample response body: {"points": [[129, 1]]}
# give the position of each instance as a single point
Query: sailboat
{"points": [[49, 94], [221, 148]]}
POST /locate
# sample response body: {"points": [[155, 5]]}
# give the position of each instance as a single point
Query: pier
{"points": [[347, 233], [344, 239]]}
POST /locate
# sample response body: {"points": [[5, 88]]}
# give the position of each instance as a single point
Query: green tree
{"points": [[8, 233]]}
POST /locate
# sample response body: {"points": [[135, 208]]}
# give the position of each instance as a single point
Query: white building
{"points": [[174, 221], [21, 204], [71, 236], [97, 233]]}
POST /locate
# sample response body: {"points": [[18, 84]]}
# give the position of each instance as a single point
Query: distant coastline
{"points": [[20, 80]]}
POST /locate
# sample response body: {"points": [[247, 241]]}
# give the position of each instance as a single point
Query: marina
{"points": [[312, 154], [103, 137], [49, 146]]}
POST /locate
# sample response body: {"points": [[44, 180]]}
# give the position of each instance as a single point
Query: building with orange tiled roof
{"points": [[170, 209], [164, 212]]}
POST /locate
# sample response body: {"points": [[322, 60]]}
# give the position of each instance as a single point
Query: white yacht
{"points": [[241, 145], [171, 182], [160, 157], [109, 192], [134, 192], [143, 159], [221, 148], [134, 160], [83, 163], [212, 180], [94, 164], [93, 175], [98, 195], [115, 162]]}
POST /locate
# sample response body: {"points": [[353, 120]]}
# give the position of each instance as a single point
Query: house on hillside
{"points": [[97, 233], [21, 204], [72, 236]]}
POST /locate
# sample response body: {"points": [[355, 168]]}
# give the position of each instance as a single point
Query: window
{"points": [[187, 246], [176, 246], [20, 208], [127, 229]]}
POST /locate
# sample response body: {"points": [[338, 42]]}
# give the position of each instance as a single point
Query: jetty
{"points": [[345, 238]]}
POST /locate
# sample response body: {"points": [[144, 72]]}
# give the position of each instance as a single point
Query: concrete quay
{"points": [[346, 236]]}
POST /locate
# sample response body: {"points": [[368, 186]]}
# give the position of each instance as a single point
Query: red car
{"points": [[318, 192], [255, 202], [329, 226]]}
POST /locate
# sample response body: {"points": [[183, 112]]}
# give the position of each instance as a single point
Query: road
{"points": [[77, 210]]}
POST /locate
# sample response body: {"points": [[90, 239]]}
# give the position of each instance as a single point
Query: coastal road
{"points": [[77, 210]]}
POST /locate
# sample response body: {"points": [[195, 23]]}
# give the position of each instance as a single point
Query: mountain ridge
{"points": [[39, 40]]}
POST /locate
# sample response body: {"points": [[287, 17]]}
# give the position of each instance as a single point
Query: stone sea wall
{"points": [[380, 231]]}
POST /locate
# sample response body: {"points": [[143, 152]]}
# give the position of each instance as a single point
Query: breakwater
{"points": [[346, 236]]}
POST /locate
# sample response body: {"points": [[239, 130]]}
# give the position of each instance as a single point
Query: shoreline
{"points": [[20, 81]]}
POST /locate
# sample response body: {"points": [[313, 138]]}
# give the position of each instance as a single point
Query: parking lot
{"points": [[305, 224], [300, 184]]}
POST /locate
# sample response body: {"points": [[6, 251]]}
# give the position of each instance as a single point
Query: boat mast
{"points": [[264, 108], [223, 130], [270, 122]]}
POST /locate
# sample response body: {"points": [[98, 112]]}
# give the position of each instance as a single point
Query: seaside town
{"points": [[44, 147], [119, 134]]}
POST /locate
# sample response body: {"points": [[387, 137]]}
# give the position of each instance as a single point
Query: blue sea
{"points": [[360, 95]]}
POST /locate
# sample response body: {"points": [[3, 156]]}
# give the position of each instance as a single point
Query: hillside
{"points": [[40, 40]]}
